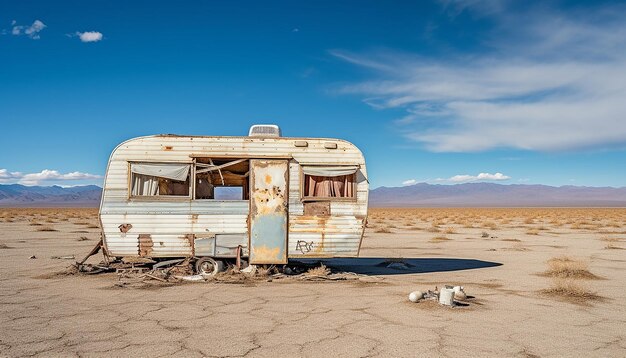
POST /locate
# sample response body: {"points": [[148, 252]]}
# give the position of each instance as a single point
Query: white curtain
{"points": [[177, 172], [144, 185], [330, 171]]}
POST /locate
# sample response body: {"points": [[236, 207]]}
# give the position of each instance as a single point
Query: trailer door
{"points": [[269, 180]]}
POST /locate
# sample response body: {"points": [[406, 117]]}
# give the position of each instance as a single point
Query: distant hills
{"points": [[418, 195], [16, 195], [490, 194]]}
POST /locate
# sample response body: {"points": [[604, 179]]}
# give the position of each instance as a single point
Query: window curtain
{"points": [[144, 185], [329, 181], [150, 179], [341, 186], [177, 172]]}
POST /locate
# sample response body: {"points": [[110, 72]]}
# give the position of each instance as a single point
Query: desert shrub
{"points": [[566, 267], [571, 290]]}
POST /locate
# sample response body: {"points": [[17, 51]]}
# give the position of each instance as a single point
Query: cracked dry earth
{"points": [[89, 316]]}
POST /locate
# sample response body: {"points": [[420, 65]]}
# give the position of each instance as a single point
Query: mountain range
{"points": [[418, 195], [498, 195], [16, 195]]}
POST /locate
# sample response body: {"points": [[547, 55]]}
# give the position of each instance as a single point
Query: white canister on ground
{"points": [[446, 296]]}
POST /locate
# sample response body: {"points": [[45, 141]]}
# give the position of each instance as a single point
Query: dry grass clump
{"points": [[320, 270], [611, 239], [571, 290], [383, 230], [449, 230], [566, 267], [433, 229], [490, 225], [439, 238], [532, 232], [46, 228], [437, 223], [92, 226], [611, 242]]}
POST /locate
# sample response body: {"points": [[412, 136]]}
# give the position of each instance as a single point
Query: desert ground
{"points": [[541, 282]]}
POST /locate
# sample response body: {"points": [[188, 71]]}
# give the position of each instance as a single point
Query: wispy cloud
{"points": [[31, 31], [557, 84], [46, 175], [409, 182], [465, 178]]}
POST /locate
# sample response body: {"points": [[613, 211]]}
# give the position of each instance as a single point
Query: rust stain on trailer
{"points": [[145, 245], [125, 227], [317, 208], [266, 254], [191, 239]]}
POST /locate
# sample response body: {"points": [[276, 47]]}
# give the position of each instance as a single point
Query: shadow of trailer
{"points": [[263, 198]]}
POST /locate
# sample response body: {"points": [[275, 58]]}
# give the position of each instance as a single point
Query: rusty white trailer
{"points": [[262, 197]]}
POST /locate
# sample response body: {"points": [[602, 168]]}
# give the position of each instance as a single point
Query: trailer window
{"points": [[159, 179], [329, 182], [222, 179]]}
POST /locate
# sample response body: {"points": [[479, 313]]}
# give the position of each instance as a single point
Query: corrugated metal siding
{"points": [[169, 221]]}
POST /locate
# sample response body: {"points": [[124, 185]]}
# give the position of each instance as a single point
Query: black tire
{"points": [[208, 266]]}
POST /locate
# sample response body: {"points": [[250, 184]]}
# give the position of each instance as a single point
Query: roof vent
{"points": [[264, 130]]}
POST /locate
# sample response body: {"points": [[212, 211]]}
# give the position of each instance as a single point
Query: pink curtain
{"points": [[341, 186]]}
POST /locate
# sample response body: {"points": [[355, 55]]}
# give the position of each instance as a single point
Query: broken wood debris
{"points": [[66, 257]]}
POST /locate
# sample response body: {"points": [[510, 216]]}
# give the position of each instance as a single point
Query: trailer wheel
{"points": [[208, 267]]}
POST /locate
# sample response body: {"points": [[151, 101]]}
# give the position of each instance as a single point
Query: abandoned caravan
{"points": [[262, 198]]}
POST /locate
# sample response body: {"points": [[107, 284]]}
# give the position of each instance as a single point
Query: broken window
{"points": [[159, 179], [329, 182], [222, 179]]}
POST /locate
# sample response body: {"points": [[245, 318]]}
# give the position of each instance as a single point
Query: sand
{"points": [[500, 256]]}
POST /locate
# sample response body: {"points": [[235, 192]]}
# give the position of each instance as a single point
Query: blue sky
{"points": [[436, 91]]}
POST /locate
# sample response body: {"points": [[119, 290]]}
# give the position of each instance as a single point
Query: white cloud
{"points": [[31, 31], [464, 178], [409, 182], [8, 177], [45, 175], [555, 83], [89, 36]]}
